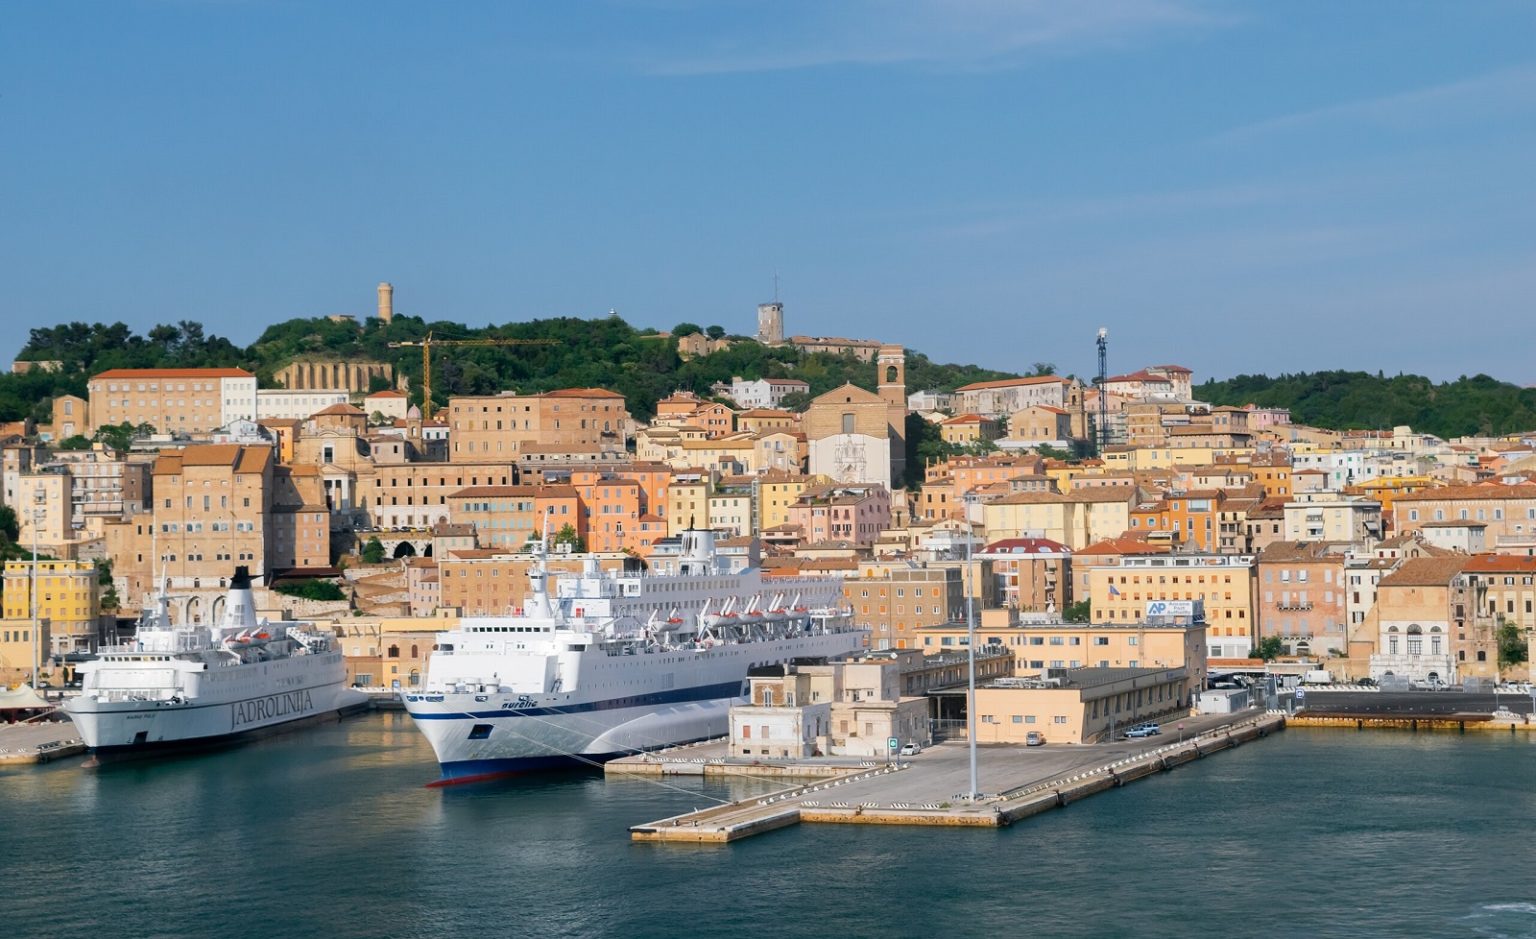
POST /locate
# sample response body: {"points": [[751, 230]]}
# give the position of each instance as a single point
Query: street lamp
{"points": [[970, 689], [39, 509]]}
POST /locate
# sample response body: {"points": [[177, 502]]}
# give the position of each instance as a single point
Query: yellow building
{"points": [[1222, 582], [16, 652], [968, 429], [688, 500], [1165, 457], [776, 492], [1085, 705], [1387, 489], [1076, 519], [68, 598], [1038, 644]]}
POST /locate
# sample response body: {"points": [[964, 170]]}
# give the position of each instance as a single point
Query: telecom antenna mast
{"points": [[1103, 379]]}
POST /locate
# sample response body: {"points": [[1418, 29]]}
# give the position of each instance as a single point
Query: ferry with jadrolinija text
{"points": [[611, 663], [183, 685]]}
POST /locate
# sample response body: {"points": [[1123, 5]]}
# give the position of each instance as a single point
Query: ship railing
{"points": [[122, 695]]}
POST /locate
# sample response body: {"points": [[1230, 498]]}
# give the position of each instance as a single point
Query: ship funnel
{"points": [[239, 604], [698, 554]]}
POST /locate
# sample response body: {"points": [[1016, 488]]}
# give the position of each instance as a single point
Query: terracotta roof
{"points": [[1425, 572], [1500, 564], [495, 492], [1141, 376], [341, 410], [1026, 546], [1012, 382], [387, 393], [1125, 544], [1496, 491], [582, 393], [241, 459], [1297, 551], [1080, 495], [173, 373]]}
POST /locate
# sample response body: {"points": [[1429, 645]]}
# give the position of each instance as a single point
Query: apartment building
{"points": [[1041, 643], [506, 517], [998, 399], [494, 428], [1508, 511], [415, 495], [1304, 596], [1076, 519], [853, 513], [897, 600], [1223, 583], [212, 511], [283, 404], [1331, 516], [68, 599], [172, 400], [1030, 574]]}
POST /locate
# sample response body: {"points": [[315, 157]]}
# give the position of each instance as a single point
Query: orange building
{"points": [[1190, 518]]}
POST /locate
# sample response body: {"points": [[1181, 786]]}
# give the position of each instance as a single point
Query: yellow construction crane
{"points": [[426, 358]]}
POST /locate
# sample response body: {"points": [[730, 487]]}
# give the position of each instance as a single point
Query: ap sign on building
{"points": [[1171, 608]]}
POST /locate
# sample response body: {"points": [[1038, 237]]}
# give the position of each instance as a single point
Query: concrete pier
{"points": [[708, 758], [1023, 782], [38, 742]]}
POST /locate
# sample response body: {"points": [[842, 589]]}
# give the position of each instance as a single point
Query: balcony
{"points": [[1293, 606]]}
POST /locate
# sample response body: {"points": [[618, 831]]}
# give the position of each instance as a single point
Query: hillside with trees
{"points": [[641, 364], [1342, 400]]}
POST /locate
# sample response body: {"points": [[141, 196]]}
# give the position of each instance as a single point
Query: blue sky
{"points": [[1236, 187]]}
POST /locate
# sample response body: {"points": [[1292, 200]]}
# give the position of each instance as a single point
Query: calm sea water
{"points": [[329, 833]]}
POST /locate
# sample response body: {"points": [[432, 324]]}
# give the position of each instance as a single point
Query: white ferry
{"points": [[192, 684], [615, 663]]}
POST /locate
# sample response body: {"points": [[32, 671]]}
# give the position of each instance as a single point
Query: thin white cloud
{"points": [[1470, 100], [951, 34]]}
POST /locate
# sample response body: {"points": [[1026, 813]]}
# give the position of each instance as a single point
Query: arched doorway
{"points": [[405, 550]]}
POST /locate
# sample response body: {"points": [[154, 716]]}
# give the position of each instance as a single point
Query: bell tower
{"points": [[892, 378]]}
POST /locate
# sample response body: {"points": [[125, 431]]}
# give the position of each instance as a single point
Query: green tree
{"points": [[715, 332], [686, 329], [795, 401], [373, 551], [77, 442], [1080, 612], [109, 600], [567, 535], [312, 590], [1512, 647], [1269, 648], [9, 529]]}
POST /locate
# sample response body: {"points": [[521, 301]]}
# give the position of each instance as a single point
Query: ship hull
{"points": [[163, 749], [119, 727], [477, 735]]}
